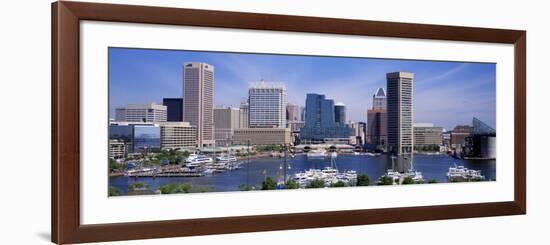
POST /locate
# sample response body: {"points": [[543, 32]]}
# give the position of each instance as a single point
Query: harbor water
{"points": [[254, 172]]}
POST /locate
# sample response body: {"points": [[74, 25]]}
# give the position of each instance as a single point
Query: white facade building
{"points": [[267, 105], [141, 113]]}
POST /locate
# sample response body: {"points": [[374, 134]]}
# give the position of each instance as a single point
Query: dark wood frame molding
{"points": [[65, 181]]}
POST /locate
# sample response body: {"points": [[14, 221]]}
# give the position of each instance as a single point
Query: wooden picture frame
{"points": [[65, 171]]}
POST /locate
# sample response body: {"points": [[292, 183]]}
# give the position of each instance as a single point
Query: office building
{"points": [[400, 112], [294, 116], [177, 135], [340, 113], [117, 149], [377, 121], [141, 113], [262, 136], [379, 100], [320, 124], [226, 119], [427, 137], [198, 100], [243, 118], [174, 109], [459, 135], [267, 105]]}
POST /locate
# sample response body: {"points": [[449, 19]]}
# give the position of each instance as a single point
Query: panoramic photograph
{"points": [[201, 121]]}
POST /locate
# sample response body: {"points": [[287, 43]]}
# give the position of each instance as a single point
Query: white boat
{"points": [[462, 174], [226, 159], [195, 160], [370, 154], [329, 175], [317, 154]]}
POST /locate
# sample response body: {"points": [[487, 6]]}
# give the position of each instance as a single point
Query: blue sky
{"points": [[445, 93]]}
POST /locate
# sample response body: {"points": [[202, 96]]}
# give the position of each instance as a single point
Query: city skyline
{"points": [[446, 93]]}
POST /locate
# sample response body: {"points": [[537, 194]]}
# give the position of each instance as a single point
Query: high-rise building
{"points": [[400, 112], [377, 121], [267, 105], [198, 100], [294, 117], [174, 108], [293, 112], [379, 99], [177, 135], [340, 113], [243, 118], [427, 136], [141, 113], [320, 123], [226, 119]]}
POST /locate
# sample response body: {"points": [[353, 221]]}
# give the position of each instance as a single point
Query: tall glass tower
{"points": [[400, 112]]}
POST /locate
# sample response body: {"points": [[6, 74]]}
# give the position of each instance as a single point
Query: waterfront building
{"points": [[358, 132], [340, 113], [426, 135], [146, 138], [177, 135], [294, 112], [363, 132], [141, 113], [459, 135], [117, 149], [400, 112], [198, 100], [377, 121], [226, 119], [295, 126], [174, 109], [267, 105], [243, 118], [294, 116], [320, 124], [262, 136], [482, 142]]}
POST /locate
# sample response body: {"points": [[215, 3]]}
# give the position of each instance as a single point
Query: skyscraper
{"points": [[320, 124], [243, 118], [379, 99], [377, 120], [340, 113], [400, 112], [174, 107], [267, 105], [226, 120], [198, 100]]}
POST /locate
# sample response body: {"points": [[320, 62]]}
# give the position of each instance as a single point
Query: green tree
{"points": [[385, 180], [432, 181], [113, 165], [316, 183], [244, 187], [113, 191], [338, 184], [269, 184], [137, 186], [408, 180], [173, 188], [291, 184], [363, 180]]}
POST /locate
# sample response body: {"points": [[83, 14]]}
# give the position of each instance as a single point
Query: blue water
{"points": [[431, 166]]}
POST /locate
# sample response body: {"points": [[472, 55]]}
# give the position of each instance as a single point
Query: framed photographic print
{"points": [[177, 122]]}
